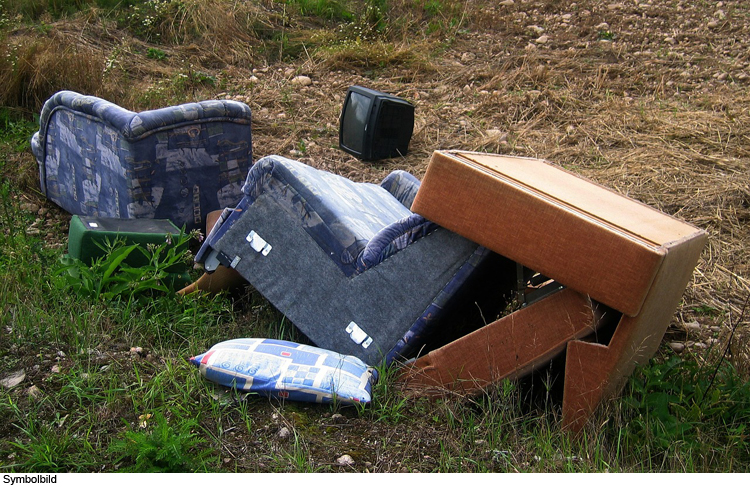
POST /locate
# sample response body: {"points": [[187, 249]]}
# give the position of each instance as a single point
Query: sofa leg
{"points": [[220, 280]]}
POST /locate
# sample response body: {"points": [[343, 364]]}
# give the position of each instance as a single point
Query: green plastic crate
{"points": [[89, 236]]}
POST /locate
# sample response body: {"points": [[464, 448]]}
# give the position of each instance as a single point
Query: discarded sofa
{"points": [[616, 257], [178, 163], [347, 263]]}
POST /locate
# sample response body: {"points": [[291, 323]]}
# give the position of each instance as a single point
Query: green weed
{"points": [[157, 54], [678, 407], [148, 19], [161, 447], [15, 130], [299, 456], [705, 309], [111, 277], [47, 448], [370, 24], [12, 235], [332, 10], [183, 86], [388, 404]]}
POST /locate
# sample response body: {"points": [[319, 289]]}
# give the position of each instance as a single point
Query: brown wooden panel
{"points": [[512, 346]]}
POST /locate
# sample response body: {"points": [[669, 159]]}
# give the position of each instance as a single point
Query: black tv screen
{"points": [[354, 121], [375, 125]]}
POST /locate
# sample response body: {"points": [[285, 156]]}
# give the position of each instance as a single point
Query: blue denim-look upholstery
{"points": [[402, 185], [358, 225], [179, 163], [354, 223], [343, 251]]}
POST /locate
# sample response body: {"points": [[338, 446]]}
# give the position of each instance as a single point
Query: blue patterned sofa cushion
{"points": [[402, 185], [179, 163]]}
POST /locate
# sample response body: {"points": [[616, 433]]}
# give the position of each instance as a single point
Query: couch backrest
{"points": [[132, 125], [341, 215], [179, 163]]}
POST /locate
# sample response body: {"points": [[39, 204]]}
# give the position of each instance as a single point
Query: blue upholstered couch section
{"points": [[179, 163], [341, 252], [358, 225], [402, 185], [345, 218]]}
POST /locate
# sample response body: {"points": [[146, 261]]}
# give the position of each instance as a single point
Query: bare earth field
{"points": [[648, 98]]}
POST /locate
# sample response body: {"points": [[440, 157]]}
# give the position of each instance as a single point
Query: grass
{"points": [[107, 383]]}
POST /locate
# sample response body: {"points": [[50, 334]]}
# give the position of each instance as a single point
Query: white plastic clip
{"points": [[357, 335], [258, 244]]}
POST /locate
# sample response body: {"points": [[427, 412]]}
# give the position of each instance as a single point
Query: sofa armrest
{"points": [[134, 125], [393, 238], [114, 115], [402, 185], [152, 120]]}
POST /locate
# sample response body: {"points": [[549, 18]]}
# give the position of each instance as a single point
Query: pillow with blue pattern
{"points": [[288, 370]]}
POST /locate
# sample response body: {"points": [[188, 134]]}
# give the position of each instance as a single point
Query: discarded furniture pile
{"points": [[489, 268]]}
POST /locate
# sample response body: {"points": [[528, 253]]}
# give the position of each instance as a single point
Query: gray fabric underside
{"points": [[312, 292]]}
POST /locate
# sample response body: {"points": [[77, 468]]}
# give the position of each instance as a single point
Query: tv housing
{"points": [[374, 124]]}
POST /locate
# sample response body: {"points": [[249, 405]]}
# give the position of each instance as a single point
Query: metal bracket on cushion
{"points": [[258, 244], [212, 261], [357, 335], [235, 262]]}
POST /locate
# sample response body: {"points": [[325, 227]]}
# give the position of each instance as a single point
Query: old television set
{"points": [[374, 124]]}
